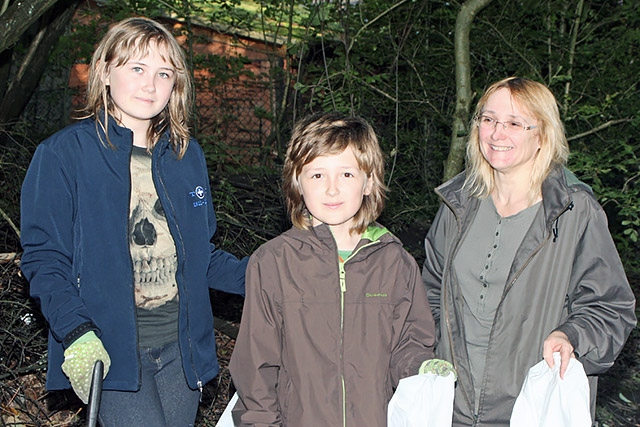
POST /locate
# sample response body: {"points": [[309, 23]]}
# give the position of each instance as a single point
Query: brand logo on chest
{"points": [[198, 196]]}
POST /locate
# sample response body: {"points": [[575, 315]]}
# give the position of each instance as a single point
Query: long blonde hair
{"points": [[132, 38], [538, 100], [326, 134]]}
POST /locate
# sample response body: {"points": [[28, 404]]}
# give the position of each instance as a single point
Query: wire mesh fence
{"points": [[236, 117]]}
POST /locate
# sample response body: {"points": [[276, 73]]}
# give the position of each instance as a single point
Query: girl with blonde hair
{"points": [[117, 221]]}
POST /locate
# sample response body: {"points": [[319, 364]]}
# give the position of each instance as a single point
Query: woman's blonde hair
{"points": [[538, 101], [328, 134], [133, 38]]}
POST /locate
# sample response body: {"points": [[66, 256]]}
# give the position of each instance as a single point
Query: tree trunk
{"points": [[575, 29], [460, 131], [19, 17], [34, 63], [5, 69]]}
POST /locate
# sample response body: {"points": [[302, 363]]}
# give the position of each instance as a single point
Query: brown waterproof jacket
{"points": [[323, 343]]}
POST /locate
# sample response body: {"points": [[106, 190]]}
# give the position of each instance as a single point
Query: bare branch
{"points": [[598, 129]]}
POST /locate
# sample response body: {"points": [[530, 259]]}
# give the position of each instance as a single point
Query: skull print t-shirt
{"points": [[153, 253]]}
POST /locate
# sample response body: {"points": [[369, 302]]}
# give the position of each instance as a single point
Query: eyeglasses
{"points": [[512, 126]]}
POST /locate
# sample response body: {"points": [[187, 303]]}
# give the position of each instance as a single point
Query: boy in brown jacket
{"points": [[335, 311]]}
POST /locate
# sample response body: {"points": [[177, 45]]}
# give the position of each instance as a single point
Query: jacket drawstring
{"points": [[555, 224]]}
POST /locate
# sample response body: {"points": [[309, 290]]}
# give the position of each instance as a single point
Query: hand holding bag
{"points": [[424, 400], [545, 400]]}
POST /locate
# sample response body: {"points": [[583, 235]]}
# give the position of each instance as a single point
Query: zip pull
{"points": [[343, 281]]}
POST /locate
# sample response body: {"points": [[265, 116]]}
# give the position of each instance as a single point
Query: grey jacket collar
{"points": [[556, 194]]}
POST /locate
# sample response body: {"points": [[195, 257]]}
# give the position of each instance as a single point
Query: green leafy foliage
{"points": [[612, 169]]}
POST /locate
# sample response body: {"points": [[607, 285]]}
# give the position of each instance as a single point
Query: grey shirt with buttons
{"points": [[482, 266]]}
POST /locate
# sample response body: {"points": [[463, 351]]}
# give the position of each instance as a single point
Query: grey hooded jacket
{"points": [[566, 275]]}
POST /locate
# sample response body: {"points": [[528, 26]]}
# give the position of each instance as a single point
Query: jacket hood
{"points": [[557, 190], [321, 239]]}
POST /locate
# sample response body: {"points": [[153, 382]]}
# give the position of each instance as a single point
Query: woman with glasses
{"points": [[519, 260]]}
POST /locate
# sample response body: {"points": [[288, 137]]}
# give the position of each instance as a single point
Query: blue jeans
{"points": [[164, 398]]}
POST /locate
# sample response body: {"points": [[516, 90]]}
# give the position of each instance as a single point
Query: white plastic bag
{"points": [[424, 400], [225, 419], [548, 401]]}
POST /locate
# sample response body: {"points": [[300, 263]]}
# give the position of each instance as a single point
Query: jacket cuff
{"points": [[78, 332], [572, 335]]}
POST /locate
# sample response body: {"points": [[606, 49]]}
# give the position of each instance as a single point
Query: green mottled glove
{"points": [[438, 367], [79, 359]]}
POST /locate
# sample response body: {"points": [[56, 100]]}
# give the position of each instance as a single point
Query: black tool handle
{"points": [[95, 393]]}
